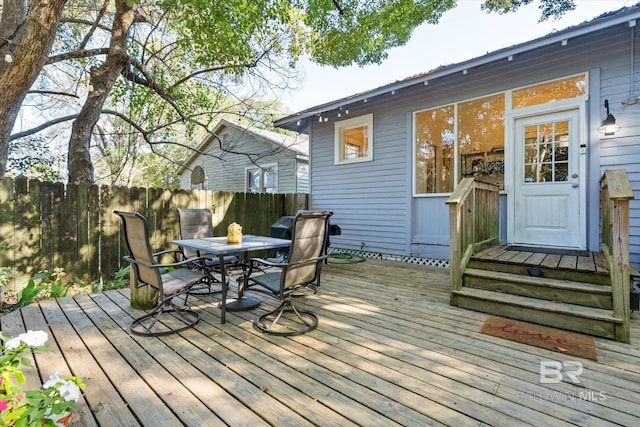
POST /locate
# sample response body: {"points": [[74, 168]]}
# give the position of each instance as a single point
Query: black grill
{"points": [[283, 227]]}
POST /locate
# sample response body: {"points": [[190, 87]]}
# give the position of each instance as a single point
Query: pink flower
{"points": [[3, 405]]}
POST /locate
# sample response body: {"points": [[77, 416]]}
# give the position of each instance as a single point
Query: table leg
{"points": [[242, 303], [225, 287]]}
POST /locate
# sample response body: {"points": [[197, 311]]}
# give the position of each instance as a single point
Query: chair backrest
{"points": [[136, 234], [194, 224], [308, 237]]}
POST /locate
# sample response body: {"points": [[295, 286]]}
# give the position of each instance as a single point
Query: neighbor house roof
{"points": [[299, 144], [625, 15]]}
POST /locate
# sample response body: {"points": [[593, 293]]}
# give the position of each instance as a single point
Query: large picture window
{"points": [[468, 137], [354, 140]]}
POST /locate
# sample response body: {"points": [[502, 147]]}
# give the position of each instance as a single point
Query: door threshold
{"points": [[546, 250]]}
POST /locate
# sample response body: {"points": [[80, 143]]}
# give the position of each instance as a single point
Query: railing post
{"points": [[473, 223], [616, 192]]}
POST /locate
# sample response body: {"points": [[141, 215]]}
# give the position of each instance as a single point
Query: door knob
{"points": [[574, 185]]}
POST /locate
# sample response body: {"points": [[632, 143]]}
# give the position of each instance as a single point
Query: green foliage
{"points": [[32, 158], [40, 283], [549, 8], [31, 290], [121, 280], [6, 274], [47, 406]]}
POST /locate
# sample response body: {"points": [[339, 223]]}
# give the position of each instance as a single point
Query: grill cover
{"points": [[281, 229]]}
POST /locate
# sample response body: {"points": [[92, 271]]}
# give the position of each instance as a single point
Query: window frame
{"points": [[355, 122], [261, 168]]}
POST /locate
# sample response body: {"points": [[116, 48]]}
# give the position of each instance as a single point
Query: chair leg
{"points": [[144, 324], [301, 323]]}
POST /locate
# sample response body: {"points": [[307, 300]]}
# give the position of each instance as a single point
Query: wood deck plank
{"points": [[54, 362], [12, 325], [568, 261], [551, 261], [389, 350], [586, 263]]}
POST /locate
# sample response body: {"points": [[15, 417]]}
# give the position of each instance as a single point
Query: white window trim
{"points": [[366, 120], [262, 168]]}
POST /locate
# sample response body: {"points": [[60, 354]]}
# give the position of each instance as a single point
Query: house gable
{"points": [[232, 150]]}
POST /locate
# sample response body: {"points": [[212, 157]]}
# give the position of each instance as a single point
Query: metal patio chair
{"points": [[170, 280], [300, 271], [197, 224]]}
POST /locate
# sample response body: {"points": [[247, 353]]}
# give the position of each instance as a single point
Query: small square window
{"points": [[354, 140]]}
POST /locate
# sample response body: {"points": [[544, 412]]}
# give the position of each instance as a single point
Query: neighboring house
{"points": [[526, 117], [240, 158]]}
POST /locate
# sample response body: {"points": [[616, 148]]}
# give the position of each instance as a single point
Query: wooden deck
{"points": [[389, 350]]}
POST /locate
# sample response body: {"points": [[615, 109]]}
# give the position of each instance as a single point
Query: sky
{"points": [[463, 33]]}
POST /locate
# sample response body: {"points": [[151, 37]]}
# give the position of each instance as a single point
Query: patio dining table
{"points": [[220, 247]]}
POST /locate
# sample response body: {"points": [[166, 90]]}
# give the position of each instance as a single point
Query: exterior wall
{"points": [[372, 201], [225, 171]]}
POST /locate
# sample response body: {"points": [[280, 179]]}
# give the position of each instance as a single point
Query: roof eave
{"points": [[561, 36]]}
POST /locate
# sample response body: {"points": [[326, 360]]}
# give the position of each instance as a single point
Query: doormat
{"points": [[541, 336], [553, 251]]}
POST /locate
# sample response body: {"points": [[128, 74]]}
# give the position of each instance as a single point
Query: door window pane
{"points": [[546, 152]]}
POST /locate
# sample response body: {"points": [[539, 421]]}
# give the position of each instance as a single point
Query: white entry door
{"points": [[548, 210]]}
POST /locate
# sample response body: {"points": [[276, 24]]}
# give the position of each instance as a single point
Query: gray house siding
{"points": [[373, 202], [226, 171]]}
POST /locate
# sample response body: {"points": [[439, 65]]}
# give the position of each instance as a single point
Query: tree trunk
{"points": [[102, 80], [30, 39]]}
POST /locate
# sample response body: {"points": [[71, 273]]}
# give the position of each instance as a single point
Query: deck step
{"points": [[592, 277], [577, 318], [566, 291]]}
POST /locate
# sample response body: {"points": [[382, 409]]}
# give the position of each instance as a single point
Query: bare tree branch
{"points": [[65, 20], [95, 24], [77, 54], [51, 92], [42, 127]]}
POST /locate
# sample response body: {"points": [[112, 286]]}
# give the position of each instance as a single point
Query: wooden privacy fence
{"points": [[46, 225]]}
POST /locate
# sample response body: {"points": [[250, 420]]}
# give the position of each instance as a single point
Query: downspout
{"points": [[632, 99]]}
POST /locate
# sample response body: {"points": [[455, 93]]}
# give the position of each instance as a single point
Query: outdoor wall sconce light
{"points": [[609, 126]]}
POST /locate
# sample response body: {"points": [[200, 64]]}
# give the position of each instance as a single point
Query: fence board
{"points": [[7, 227], [58, 224]]}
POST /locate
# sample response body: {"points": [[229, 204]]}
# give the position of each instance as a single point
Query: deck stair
{"points": [[568, 289], [576, 297]]}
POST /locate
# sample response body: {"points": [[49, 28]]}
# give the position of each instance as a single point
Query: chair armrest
{"points": [[283, 265], [267, 262], [173, 264]]}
